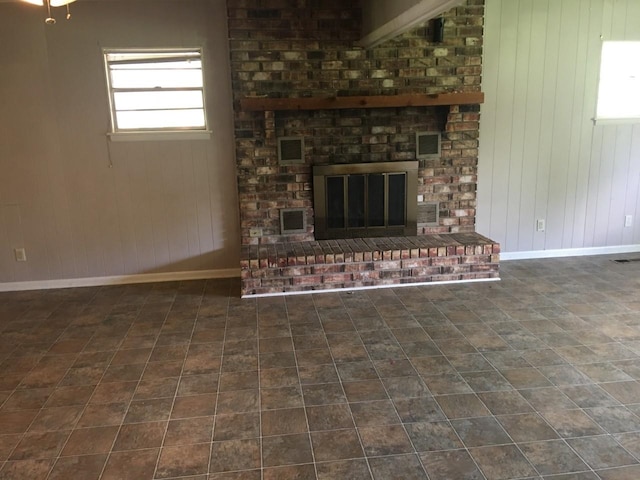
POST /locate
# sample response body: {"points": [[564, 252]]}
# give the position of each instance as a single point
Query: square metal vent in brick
{"points": [[291, 150], [429, 213], [427, 144], [293, 220]]}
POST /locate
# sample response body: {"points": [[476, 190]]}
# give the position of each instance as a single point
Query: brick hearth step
{"points": [[367, 262]]}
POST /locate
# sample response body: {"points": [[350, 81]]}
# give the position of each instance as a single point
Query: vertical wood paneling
{"points": [[191, 203], [202, 162], [632, 200], [579, 110], [518, 117], [11, 235], [7, 260], [620, 172], [159, 192], [562, 125], [486, 158], [631, 28], [500, 120], [592, 201], [633, 193], [136, 200], [548, 127], [153, 210], [130, 219], [604, 185], [532, 124], [580, 189], [551, 160]]}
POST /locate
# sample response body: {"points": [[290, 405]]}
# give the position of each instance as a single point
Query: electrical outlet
{"points": [[540, 225], [628, 220], [255, 232], [21, 254]]}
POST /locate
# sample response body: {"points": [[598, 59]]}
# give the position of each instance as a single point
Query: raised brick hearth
{"points": [[355, 263]]}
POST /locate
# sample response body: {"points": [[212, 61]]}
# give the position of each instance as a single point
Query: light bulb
{"points": [[60, 3]]}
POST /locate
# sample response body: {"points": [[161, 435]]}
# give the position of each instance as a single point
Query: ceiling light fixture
{"points": [[52, 3]]}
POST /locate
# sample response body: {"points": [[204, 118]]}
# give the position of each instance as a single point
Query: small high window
{"points": [[155, 90], [619, 89]]}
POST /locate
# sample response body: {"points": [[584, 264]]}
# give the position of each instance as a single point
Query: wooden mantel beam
{"points": [[258, 104]]}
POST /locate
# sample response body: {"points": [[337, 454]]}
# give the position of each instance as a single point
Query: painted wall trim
{"points": [[141, 136], [374, 287], [119, 280], [568, 252]]}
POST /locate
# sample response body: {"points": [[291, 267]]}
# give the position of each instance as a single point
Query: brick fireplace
{"points": [[298, 73]]}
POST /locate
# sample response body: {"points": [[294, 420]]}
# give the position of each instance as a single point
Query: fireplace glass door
{"points": [[365, 200]]}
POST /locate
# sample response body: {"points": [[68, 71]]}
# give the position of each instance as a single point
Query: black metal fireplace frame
{"points": [[322, 172]]}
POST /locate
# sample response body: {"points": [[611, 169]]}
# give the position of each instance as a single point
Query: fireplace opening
{"points": [[365, 200]]}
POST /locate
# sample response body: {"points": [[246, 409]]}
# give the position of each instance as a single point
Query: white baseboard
{"points": [[235, 272], [569, 252], [373, 287], [118, 280]]}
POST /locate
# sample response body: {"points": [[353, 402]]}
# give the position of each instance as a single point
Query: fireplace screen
{"points": [[365, 200]]}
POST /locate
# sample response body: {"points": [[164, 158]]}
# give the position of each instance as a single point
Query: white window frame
{"points": [[619, 83], [154, 133]]}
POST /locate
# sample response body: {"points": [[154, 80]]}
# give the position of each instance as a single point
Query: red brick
{"points": [[337, 277], [366, 275], [265, 273], [276, 282], [390, 265], [358, 267], [326, 269], [446, 278], [296, 271], [425, 271], [385, 274], [442, 261], [484, 268], [307, 280], [458, 269], [475, 259], [416, 262]]}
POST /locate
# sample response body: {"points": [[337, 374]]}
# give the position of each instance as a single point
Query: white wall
{"points": [[163, 206], [541, 157]]}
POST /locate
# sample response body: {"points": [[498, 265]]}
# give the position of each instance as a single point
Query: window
{"points": [[619, 89], [155, 90]]}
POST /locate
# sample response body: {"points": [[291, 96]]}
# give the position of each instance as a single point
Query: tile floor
{"points": [[536, 376]]}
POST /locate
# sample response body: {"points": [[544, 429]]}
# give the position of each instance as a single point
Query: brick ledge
{"points": [[352, 263]]}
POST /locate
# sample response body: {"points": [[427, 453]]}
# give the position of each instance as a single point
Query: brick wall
{"points": [[308, 48]]}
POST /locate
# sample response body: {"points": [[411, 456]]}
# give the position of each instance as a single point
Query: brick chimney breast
{"points": [[307, 49]]}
